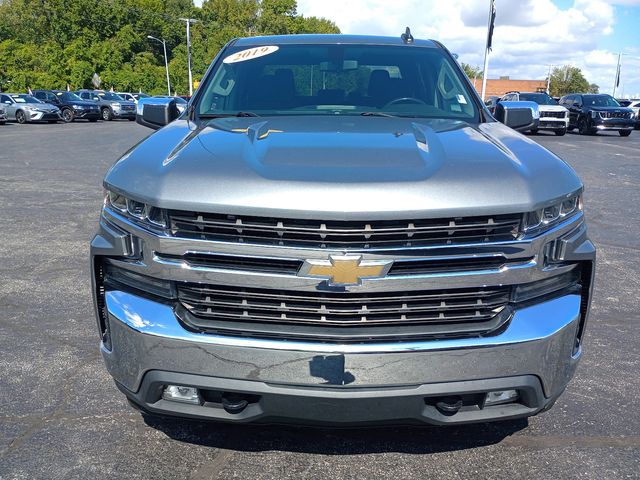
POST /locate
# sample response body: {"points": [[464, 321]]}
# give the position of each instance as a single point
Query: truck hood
{"points": [[342, 168]]}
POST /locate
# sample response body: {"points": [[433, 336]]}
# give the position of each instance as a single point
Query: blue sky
{"points": [[529, 34]]}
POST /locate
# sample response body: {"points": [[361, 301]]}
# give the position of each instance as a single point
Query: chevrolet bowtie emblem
{"points": [[345, 270]]}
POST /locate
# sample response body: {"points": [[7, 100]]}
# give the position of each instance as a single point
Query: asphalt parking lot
{"points": [[61, 417]]}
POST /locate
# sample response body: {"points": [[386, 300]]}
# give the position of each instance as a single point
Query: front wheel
{"points": [[624, 133], [67, 115], [21, 117], [583, 127], [560, 132], [106, 114]]}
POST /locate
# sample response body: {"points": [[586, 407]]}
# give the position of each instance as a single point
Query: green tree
{"points": [[52, 43], [472, 72], [569, 79]]}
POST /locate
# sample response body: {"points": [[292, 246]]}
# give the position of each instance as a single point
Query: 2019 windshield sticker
{"points": [[251, 53]]}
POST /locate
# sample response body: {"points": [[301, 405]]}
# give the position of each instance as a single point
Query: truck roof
{"points": [[310, 39]]}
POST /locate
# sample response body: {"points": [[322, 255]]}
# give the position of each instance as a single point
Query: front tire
{"points": [[560, 132], [67, 115], [624, 133], [107, 115], [583, 127], [21, 117]]}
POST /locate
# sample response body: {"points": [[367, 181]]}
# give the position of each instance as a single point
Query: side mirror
{"points": [[155, 113], [521, 116]]}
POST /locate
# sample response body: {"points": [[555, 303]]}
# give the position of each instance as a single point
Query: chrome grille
{"points": [[615, 115], [439, 312], [344, 234]]}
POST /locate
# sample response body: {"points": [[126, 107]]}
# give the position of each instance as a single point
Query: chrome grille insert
{"points": [[441, 312], [344, 234]]}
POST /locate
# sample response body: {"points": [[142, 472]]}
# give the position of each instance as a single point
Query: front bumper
{"points": [[356, 383], [614, 124], [124, 113], [43, 116], [553, 123], [87, 113]]}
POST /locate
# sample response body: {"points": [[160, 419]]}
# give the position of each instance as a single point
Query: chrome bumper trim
{"points": [[528, 324]]}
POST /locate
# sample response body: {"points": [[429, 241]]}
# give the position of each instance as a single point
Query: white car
{"points": [[132, 97], [553, 116], [635, 106]]}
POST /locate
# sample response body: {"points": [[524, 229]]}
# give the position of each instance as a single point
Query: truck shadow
{"points": [[338, 441]]}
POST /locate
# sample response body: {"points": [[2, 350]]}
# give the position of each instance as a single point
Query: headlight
{"points": [[115, 104], [138, 211], [547, 217], [594, 114], [77, 107]]}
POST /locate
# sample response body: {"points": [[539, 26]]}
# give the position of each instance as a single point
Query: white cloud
{"points": [[529, 34]]}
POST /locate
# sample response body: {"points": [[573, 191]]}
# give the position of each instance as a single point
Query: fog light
{"points": [[501, 396], [179, 393]]}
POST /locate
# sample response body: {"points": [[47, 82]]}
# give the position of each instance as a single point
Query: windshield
{"points": [[69, 97], [110, 96], [600, 101], [338, 80], [539, 98], [140, 95], [24, 98]]}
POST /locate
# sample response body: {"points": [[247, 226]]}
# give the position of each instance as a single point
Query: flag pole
{"points": [[492, 13], [617, 80]]}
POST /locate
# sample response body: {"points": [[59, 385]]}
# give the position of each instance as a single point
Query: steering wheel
{"points": [[404, 99]]}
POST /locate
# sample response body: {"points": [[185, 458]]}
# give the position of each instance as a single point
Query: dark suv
{"points": [[71, 105], [592, 113]]}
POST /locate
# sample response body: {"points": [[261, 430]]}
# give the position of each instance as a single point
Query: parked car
{"points": [[3, 115], [491, 103], [181, 103], [24, 108], [111, 105], [132, 97], [635, 106], [374, 249], [592, 113], [553, 117], [71, 106]]}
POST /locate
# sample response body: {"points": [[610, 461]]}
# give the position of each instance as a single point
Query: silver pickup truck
{"points": [[337, 231]]}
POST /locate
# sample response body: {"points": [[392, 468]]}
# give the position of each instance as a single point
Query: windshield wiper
{"points": [[378, 114]]}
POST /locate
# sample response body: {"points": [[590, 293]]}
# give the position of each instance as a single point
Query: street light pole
{"points": [[189, 22], [166, 60], [549, 80]]}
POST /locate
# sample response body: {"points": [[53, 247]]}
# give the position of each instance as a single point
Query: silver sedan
{"points": [[24, 108]]}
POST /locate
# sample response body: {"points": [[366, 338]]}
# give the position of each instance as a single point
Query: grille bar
{"points": [[287, 266], [262, 230]]}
